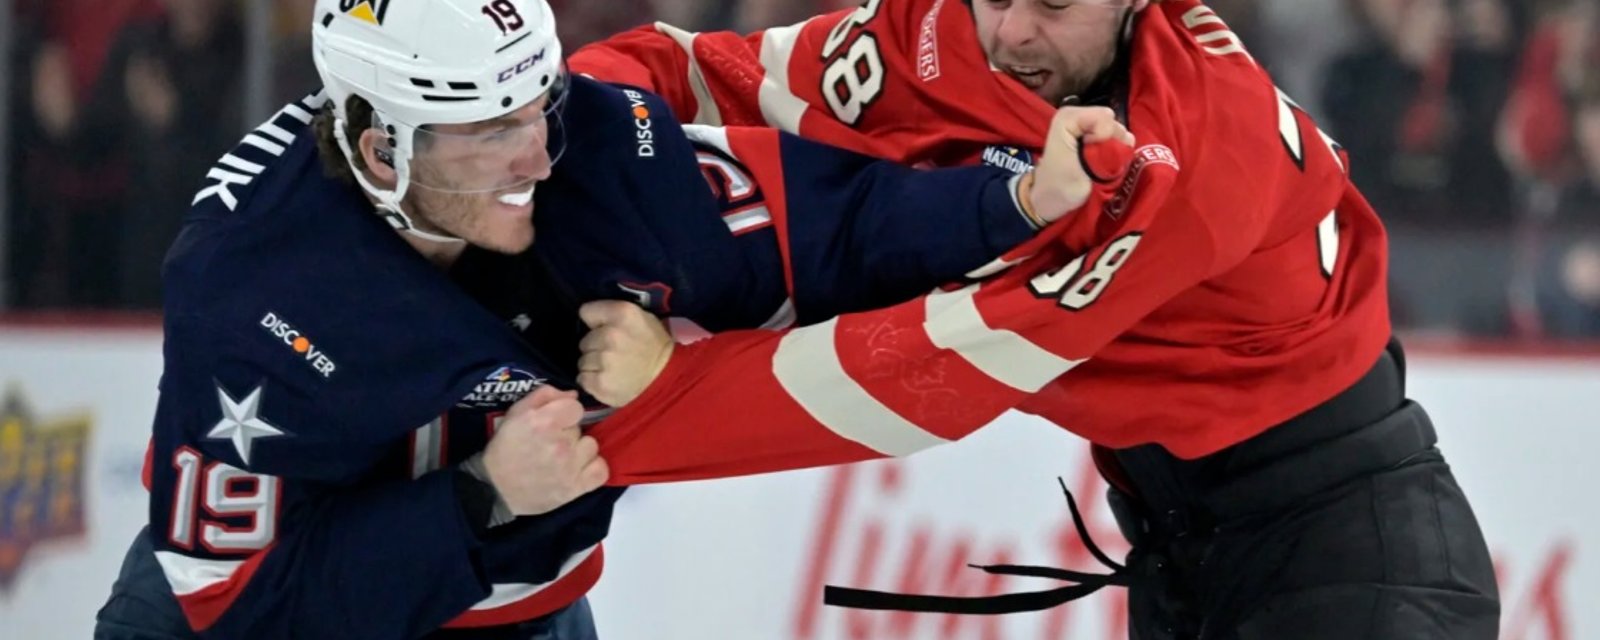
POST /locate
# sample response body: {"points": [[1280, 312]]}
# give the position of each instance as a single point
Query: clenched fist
{"points": [[1062, 182], [624, 352], [539, 459]]}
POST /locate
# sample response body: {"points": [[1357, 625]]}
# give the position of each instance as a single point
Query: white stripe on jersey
{"points": [[503, 594], [242, 164], [955, 323], [783, 318], [714, 136], [709, 112], [426, 443], [264, 144], [748, 219], [807, 365], [278, 132], [779, 105], [189, 575], [996, 266], [298, 113]]}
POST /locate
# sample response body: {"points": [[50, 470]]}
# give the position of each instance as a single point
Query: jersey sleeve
{"points": [[894, 381], [723, 225], [712, 78], [850, 232], [657, 58], [829, 78]]}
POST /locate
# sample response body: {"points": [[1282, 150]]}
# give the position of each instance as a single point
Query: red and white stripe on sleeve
{"points": [[897, 380]]}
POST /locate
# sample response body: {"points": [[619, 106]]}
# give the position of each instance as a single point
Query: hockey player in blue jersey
{"points": [[360, 433]]}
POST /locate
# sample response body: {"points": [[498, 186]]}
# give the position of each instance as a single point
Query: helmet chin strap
{"points": [[389, 200]]}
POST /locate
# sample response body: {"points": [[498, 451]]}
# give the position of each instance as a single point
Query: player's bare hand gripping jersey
{"points": [[1234, 278]]}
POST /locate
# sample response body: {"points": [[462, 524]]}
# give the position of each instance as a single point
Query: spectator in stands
{"points": [[760, 14], [171, 101], [1570, 293], [1570, 297], [1411, 102], [293, 74], [67, 184], [1549, 137], [585, 21], [1297, 40]]}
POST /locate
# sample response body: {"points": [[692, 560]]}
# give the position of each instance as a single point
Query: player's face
{"points": [[1054, 47], [475, 181]]}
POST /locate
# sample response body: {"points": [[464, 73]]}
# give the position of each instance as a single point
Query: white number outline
{"points": [[216, 494], [862, 90], [1075, 291], [1288, 125]]}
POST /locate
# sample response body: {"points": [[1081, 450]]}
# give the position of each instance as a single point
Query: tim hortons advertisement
{"points": [[748, 558]]}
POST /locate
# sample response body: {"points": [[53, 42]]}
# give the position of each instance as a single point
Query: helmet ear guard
{"points": [[382, 150]]}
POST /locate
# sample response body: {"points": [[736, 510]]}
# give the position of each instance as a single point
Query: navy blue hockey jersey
{"points": [[788, 229], [322, 377]]}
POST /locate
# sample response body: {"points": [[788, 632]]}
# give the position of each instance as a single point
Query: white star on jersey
{"points": [[240, 422]]}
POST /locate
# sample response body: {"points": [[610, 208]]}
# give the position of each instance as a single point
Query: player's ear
{"points": [[378, 157]]}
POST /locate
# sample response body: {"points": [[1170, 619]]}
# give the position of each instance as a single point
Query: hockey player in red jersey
{"points": [[1213, 319]]}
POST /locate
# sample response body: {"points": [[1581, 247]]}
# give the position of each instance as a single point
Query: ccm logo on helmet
{"points": [[520, 67], [644, 136]]}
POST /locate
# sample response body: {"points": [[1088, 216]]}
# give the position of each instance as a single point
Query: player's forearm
{"points": [[864, 386], [713, 77], [718, 411], [922, 229], [864, 233], [647, 58], [892, 381]]}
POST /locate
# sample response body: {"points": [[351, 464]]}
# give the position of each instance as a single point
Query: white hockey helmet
{"points": [[443, 62]]}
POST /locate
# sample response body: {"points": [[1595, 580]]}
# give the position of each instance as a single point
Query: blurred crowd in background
{"points": [[1474, 127]]}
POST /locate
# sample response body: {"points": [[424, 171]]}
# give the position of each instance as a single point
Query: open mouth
{"points": [[518, 199], [1032, 77]]}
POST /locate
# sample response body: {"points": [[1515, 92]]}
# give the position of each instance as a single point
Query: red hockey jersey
{"points": [[1234, 277]]}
